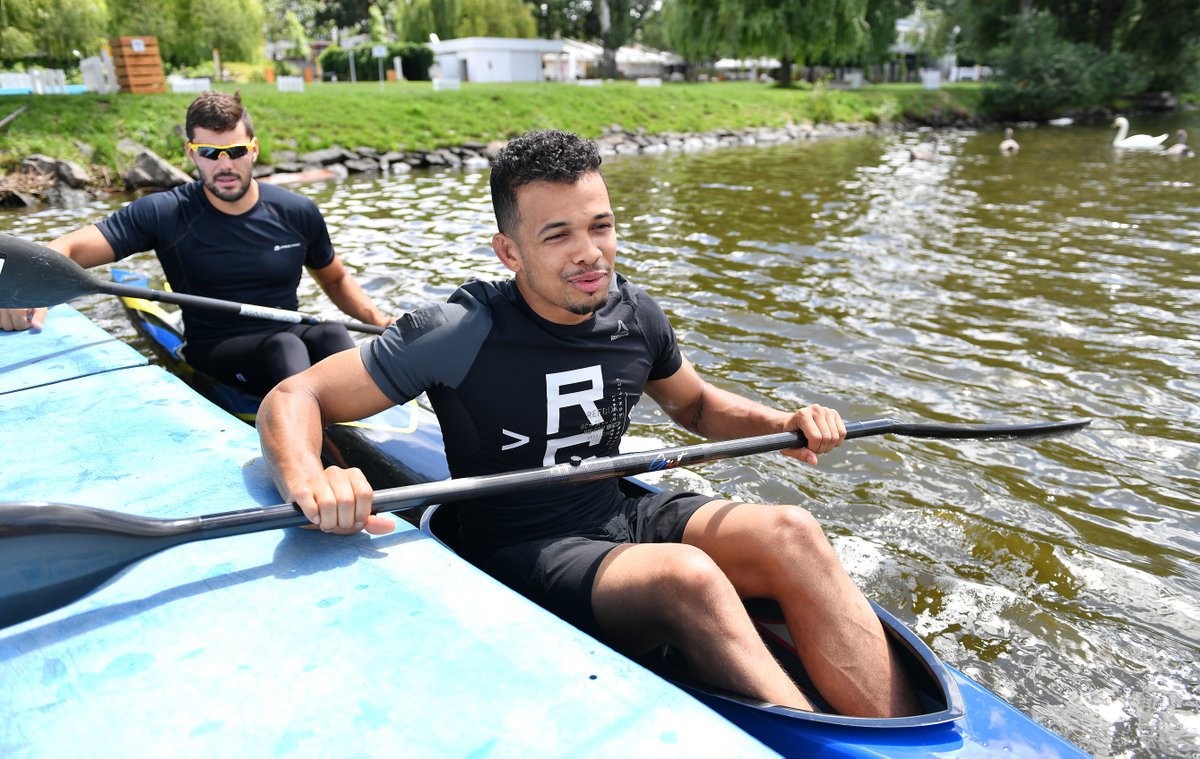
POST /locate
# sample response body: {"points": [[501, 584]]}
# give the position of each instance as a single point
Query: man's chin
{"points": [[231, 195], [587, 309]]}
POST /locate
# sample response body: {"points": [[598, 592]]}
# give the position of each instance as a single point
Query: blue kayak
{"points": [[961, 717]]}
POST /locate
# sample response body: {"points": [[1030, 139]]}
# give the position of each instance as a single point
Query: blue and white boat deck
{"points": [[280, 643]]}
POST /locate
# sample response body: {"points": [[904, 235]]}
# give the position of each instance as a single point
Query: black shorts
{"points": [[557, 573]]}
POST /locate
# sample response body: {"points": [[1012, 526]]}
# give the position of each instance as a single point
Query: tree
{"points": [[232, 26], [496, 18], [293, 32], [279, 12], [416, 19], [51, 28], [376, 27], [1162, 35], [793, 30], [881, 18], [343, 14]]}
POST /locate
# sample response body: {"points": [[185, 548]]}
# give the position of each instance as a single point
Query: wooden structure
{"points": [[138, 64]]}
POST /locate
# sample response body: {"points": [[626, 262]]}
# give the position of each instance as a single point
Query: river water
{"points": [[1059, 283]]}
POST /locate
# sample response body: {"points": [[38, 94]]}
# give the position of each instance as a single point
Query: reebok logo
{"points": [[622, 331]]}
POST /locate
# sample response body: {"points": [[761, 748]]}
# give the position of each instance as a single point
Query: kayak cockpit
{"points": [[937, 689]]}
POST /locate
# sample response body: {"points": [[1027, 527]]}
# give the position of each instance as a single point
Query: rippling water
{"points": [[1062, 282]]}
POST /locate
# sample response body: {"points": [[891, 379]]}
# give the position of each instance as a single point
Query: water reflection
{"points": [[1057, 283]]}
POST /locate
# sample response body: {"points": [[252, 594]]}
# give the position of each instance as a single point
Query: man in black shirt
{"points": [[227, 236], [547, 366]]}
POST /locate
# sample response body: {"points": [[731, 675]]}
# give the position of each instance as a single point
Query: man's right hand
{"points": [[16, 319], [339, 500]]}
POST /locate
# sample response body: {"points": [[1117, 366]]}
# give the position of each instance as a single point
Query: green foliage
{"points": [[1158, 37], [151, 18], [188, 30], [813, 31], [497, 18], [415, 20], [1043, 73], [293, 31], [51, 29], [415, 61], [376, 26]]}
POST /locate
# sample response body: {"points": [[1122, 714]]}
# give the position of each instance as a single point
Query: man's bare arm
{"points": [[721, 415], [290, 421], [348, 295]]}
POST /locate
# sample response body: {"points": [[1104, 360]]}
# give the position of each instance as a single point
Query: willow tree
{"points": [[415, 20], [497, 18], [51, 29], [794, 31]]}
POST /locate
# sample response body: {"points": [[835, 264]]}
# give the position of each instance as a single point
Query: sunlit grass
{"points": [[411, 116]]}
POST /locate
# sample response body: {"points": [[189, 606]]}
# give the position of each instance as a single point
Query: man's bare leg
{"points": [[780, 552], [649, 594]]}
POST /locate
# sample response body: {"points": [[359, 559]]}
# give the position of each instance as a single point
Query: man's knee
{"points": [[791, 538], [689, 577], [323, 340], [284, 355]]}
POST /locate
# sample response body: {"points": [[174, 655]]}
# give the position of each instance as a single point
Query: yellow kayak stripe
{"points": [[412, 422]]}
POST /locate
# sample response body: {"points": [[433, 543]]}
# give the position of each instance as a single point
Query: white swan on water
{"points": [[1136, 141], [1009, 146]]}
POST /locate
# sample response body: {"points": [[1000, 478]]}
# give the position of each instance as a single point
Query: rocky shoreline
{"points": [[44, 180]]}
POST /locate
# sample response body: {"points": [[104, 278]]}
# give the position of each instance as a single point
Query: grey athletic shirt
{"points": [[514, 391]]}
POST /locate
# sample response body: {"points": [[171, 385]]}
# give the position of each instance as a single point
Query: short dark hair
{"points": [[543, 156], [219, 112]]}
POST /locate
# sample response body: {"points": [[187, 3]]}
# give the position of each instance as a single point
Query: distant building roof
{"points": [[511, 44]]}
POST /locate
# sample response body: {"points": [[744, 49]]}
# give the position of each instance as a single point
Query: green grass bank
{"points": [[411, 116]]}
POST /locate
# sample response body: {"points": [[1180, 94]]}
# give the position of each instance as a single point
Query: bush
{"points": [[1043, 73], [415, 61]]}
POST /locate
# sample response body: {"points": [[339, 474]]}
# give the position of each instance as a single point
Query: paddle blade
{"points": [[33, 275], [55, 553]]}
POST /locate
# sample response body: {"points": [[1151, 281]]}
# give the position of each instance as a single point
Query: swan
{"points": [[1180, 148], [1009, 146], [927, 152], [1137, 141]]}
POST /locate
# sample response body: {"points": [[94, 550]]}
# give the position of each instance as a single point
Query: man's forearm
{"points": [[289, 432], [353, 301], [722, 415]]}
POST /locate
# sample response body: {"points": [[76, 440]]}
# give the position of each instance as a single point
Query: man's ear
{"points": [[506, 250]]}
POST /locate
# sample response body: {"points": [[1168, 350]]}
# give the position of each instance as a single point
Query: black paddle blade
{"points": [[33, 275], [55, 553], [984, 431]]}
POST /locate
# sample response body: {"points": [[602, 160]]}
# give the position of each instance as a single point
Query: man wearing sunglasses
{"points": [[227, 236]]}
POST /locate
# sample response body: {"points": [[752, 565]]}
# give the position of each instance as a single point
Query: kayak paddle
{"points": [[33, 275], [52, 554]]}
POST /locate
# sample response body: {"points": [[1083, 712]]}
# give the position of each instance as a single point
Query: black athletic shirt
{"points": [[256, 257], [514, 391]]}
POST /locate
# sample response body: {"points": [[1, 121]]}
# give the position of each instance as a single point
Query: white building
{"points": [[492, 59], [582, 60]]}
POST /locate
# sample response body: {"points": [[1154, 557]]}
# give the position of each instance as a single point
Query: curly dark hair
{"points": [[544, 156], [219, 112]]}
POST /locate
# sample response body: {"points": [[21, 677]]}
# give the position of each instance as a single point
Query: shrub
{"points": [[415, 61], [1043, 73]]}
